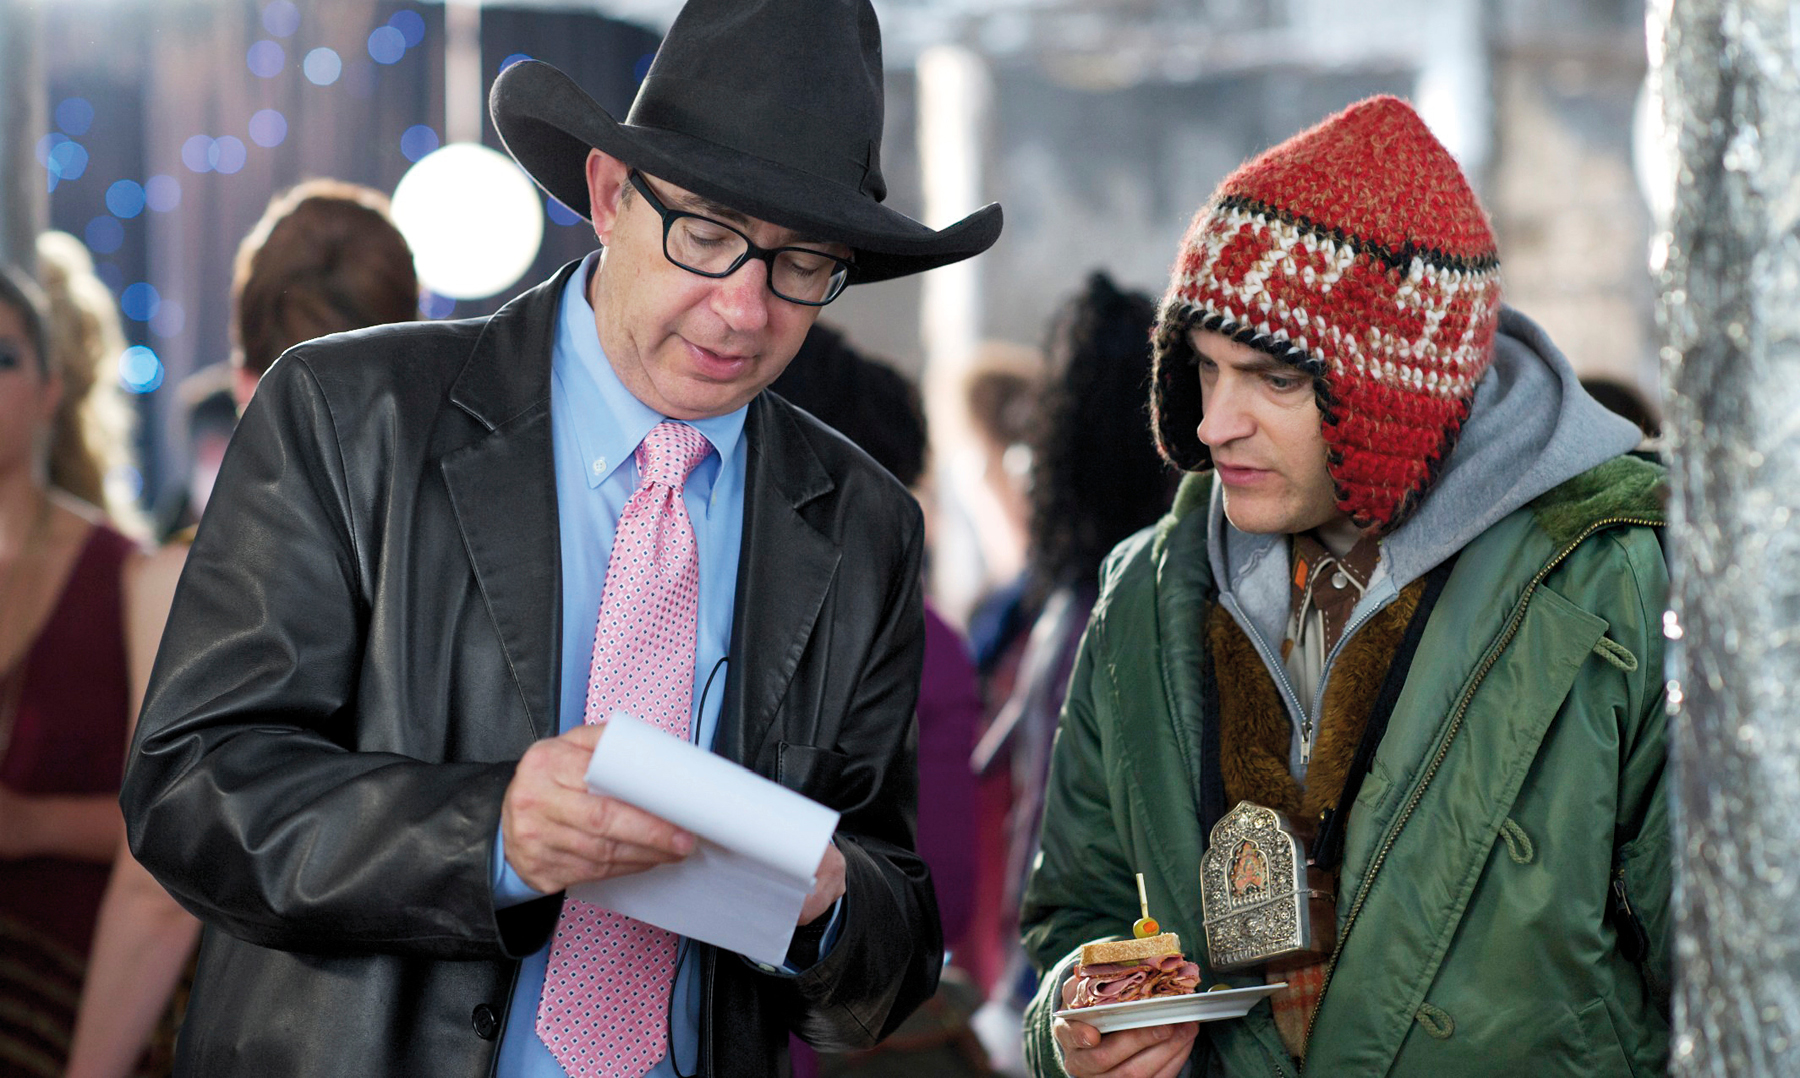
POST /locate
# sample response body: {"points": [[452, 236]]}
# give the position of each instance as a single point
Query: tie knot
{"points": [[670, 452]]}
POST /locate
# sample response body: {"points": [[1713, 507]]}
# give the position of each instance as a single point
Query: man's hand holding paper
{"points": [[762, 861], [558, 834]]}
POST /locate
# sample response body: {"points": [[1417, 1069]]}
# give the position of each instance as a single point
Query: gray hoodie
{"points": [[1532, 428]]}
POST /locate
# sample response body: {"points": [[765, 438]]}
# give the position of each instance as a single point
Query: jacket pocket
{"points": [[811, 770], [1606, 1053]]}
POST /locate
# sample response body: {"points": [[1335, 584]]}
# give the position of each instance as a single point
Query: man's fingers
{"points": [[628, 825], [1132, 1053]]}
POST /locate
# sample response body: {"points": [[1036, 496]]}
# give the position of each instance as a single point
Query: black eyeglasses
{"points": [[715, 249]]}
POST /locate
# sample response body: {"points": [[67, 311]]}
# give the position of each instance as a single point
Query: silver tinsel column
{"points": [[1729, 274], [24, 203]]}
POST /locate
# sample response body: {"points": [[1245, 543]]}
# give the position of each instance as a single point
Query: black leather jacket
{"points": [[365, 640]]}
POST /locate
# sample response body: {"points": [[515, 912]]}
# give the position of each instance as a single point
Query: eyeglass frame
{"points": [[751, 250]]}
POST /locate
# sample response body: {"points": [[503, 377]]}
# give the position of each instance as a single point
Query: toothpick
{"points": [[1143, 903]]}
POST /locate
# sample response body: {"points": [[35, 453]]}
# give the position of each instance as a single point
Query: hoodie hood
{"points": [[1531, 428]]}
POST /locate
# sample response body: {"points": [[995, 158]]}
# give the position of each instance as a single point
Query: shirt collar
{"points": [[609, 420]]}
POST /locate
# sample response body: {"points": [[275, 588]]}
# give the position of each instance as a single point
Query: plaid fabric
{"points": [[1294, 1004]]}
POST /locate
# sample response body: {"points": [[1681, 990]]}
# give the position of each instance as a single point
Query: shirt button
{"points": [[599, 465], [1338, 580], [486, 1024]]}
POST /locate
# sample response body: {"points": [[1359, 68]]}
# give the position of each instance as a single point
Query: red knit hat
{"points": [[1357, 252]]}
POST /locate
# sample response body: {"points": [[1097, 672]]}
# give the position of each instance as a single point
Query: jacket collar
{"points": [[508, 371], [786, 569]]}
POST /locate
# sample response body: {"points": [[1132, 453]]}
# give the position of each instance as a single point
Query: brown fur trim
{"points": [[1253, 725], [1254, 732]]}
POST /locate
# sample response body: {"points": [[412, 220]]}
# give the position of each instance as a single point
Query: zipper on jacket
{"points": [[1437, 760], [1306, 725], [1279, 669]]}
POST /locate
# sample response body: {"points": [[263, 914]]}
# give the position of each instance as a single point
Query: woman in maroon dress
{"points": [[64, 701]]}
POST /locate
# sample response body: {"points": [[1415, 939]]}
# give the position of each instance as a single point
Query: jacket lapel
{"points": [[502, 488], [785, 570]]}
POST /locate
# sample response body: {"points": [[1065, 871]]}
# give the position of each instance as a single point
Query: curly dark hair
{"points": [[1096, 475]]}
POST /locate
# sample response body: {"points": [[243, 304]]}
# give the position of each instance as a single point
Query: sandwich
{"points": [[1134, 969]]}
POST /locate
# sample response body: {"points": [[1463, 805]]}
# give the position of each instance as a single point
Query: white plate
{"points": [[1198, 1007]]}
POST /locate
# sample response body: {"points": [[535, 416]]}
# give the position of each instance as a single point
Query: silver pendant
{"points": [[1254, 898]]}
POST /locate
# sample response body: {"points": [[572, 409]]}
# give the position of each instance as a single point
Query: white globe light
{"points": [[472, 218]]}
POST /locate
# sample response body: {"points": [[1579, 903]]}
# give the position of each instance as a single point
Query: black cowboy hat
{"points": [[771, 107]]}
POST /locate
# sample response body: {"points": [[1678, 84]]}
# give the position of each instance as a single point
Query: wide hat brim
{"points": [[548, 124]]}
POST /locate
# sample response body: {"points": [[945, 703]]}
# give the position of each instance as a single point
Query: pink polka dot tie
{"points": [[604, 1010]]}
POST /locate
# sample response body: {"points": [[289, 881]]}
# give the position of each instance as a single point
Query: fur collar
{"points": [[1254, 733]]}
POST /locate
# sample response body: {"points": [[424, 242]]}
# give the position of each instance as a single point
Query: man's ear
{"points": [[606, 178]]}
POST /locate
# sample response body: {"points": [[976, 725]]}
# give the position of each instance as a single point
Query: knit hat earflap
{"points": [[1357, 252]]}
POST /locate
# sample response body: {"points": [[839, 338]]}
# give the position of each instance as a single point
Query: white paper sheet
{"points": [[758, 842]]}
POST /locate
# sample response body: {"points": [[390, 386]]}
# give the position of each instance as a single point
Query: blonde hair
{"points": [[90, 438]]}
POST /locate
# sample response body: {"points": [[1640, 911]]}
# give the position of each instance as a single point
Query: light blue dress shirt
{"points": [[596, 425]]}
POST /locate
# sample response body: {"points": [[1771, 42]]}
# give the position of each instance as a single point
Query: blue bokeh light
{"points": [[266, 59], [432, 305], [75, 115], [104, 234], [169, 320], [515, 58], [162, 193], [140, 371], [417, 141], [227, 154], [411, 25], [268, 128], [561, 214], [66, 160], [139, 302], [197, 153], [125, 198], [281, 18], [322, 66], [387, 45]]}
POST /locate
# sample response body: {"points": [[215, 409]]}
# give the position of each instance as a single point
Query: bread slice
{"points": [[1134, 950]]}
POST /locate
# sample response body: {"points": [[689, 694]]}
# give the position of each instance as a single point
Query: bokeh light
{"points": [[281, 18], [64, 159], [169, 320], [268, 128], [417, 141], [514, 58], [197, 153], [459, 253], [561, 214], [387, 45], [322, 66], [124, 483], [227, 154], [125, 198], [162, 193], [411, 25], [432, 305], [75, 115], [139, 302], [104, 234], [266, 59], [140, 371]]}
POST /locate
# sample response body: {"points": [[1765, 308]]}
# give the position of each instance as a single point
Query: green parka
{"points": [[1519, 783]]}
